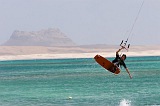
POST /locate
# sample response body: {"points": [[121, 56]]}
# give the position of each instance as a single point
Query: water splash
{"points": [[125, 102]]}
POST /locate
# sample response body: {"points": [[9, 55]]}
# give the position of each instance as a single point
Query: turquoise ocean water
{"points": [[79, 82]]}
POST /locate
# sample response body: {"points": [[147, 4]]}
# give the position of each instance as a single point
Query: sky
{"points": [[84, 21]]}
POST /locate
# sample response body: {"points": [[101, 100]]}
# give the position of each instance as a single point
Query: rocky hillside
{"points": [[49, 37]]}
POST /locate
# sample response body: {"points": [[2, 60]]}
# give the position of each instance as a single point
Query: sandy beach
{"points": [[38, 52]]}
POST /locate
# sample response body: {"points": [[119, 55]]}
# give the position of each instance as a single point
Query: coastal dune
{"points": [[41, 52], [52, 43]]}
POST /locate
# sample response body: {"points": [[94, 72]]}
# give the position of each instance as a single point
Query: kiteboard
{"points": [[107, 64]]}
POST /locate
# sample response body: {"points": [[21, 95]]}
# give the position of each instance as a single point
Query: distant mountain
{"points": [[49, 37]]}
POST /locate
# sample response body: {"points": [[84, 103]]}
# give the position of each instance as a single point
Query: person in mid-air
{"points": [[119, 61]]}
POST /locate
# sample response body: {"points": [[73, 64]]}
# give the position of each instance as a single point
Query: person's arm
{"points": [[119, 50], [128, 73]]}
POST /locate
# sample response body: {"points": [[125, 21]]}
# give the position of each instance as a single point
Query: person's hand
{"points": [[130, 77], [123, 47]]}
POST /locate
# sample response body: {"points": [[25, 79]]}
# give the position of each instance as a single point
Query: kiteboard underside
{"points": [[107, 64]]}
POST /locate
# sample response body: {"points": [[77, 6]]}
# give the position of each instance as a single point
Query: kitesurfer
{"points": [[119, 60]]}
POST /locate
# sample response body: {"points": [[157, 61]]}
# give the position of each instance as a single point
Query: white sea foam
{"points": [[125, 102]]}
